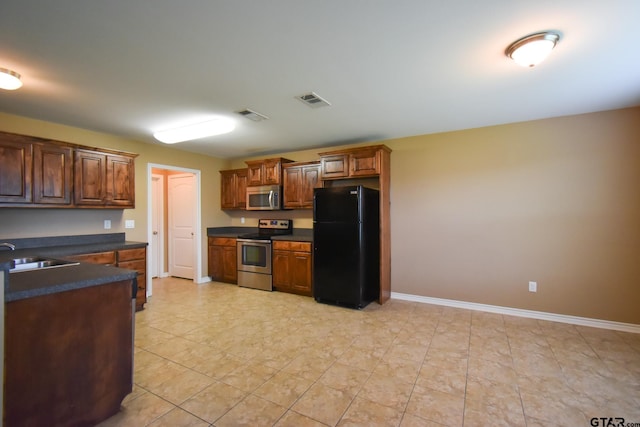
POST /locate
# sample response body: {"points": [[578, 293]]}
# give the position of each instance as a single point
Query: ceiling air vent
{"points": [[252, 115], [313, 100]]}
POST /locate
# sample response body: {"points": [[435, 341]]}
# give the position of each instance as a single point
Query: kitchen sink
{"points": [[37, 263]]}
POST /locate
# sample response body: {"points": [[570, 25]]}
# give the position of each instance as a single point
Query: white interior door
{"points": [[182, 225], [157, 226]]}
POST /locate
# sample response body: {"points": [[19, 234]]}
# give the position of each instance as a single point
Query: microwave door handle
{"points": [[271, 199]]}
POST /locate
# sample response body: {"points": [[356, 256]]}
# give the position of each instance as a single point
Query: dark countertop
{"points": [[27, 284], [299, 234]]}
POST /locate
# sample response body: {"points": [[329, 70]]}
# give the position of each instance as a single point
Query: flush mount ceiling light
{"points": [[213, 127], [531, 50], [9, 79]]}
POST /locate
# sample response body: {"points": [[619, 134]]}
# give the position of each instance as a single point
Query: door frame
{"points": [[158, 204], [198, 277]]}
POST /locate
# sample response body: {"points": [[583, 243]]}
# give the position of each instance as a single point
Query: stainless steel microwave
{"points": [[264, 198]]}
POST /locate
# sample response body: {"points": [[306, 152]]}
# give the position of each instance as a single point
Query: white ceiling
{"points": [[390, 68]]}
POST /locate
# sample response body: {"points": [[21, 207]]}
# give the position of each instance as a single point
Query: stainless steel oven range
{"points": [[254, 253]]}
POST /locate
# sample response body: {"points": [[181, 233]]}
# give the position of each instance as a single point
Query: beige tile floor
{"points": [[219, 355]]}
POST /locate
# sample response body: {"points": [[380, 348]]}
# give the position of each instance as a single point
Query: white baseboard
{"points": [[541, 315], [205, 279]]}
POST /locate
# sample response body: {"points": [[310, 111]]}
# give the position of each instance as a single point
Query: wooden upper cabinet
{"points": [[36, 172], [299, 180], [233, 191], [120, 181], [90, 178], [52, 174], [255, 173], [335, 166], [16, 169], [364, 162], [103, 180], [355, 162], [265, 172]]}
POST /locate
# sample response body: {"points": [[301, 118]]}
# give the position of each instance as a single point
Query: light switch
{"points": [[129, 223]]}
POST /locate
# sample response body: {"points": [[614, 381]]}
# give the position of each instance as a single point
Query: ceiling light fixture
{"points": [[531, 50], [213, 127], [9, 79]]}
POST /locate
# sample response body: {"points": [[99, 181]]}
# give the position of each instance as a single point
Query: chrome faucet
{"points": [[8, 245]]}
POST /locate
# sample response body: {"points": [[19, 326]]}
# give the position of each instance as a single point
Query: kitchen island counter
{"points": [[28, 284]]}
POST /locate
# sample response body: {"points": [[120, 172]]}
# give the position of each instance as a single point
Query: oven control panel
{"points": [[277, 224]]}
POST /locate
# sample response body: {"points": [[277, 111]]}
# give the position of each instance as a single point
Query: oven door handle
{"points": [[253, 241]]}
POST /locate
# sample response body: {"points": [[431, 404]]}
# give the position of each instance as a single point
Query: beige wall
{"points": [[476, 214]]}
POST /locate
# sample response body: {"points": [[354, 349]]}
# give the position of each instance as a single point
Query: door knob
{"points": [[155, 232]]}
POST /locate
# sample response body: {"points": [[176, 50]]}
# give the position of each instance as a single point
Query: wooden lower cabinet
{"points": [[292, 264], [223, 259], [103, 258], [131, 259], [68, 356], [136, 259]]}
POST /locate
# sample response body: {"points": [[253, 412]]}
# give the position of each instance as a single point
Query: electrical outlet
{"points": [[533, 286], [129, 223], [241, 220], [107, 224]]}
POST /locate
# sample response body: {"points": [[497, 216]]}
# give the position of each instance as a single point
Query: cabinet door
{"points": [[233, 189], [301, 272], [310, 179], [16, 165], [255, 173], [280, 272], [230, 264], [241, 188], [271, 170], [52, 170], [292, 185], [335, 166], [365, 163], [228, 192], [120, 181], [215, 261], [136, 259], [90, 178]]}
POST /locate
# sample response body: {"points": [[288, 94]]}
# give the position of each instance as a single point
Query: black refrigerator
{"points": [[346, 245]]}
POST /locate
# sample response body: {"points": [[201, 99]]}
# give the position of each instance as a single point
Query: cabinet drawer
{"points": [[292, 246], [106, 258], [139, 265], [301, 246], [222, 241], [131, 254]]}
